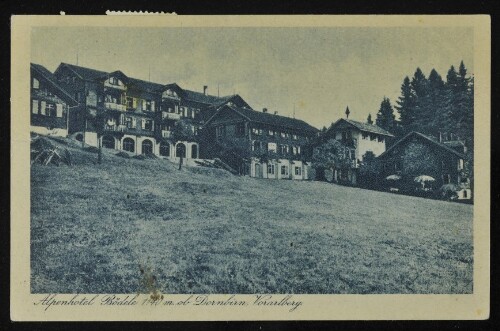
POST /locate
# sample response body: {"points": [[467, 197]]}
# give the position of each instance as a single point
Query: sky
{"points": [[315, 71]]}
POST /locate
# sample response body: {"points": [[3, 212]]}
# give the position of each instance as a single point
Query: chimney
{"points": [[264, 110], [205, 89]]}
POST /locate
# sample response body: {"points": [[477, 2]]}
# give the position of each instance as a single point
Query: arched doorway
{"points": [[128, 145], [147, 147], [194, 151], [108, 142], [165, 149], [180, 150]]}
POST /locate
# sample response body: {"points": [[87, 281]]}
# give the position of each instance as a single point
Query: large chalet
{"points": [[139, 116], [270, 146]]}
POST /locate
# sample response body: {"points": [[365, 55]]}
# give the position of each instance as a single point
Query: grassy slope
{"points": [[205, 231]]}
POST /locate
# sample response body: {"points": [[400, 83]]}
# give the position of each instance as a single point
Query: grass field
{"points": [[200, 230]]}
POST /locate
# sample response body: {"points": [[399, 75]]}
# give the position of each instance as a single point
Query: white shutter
{"points": [[59, 110], [134, 123], [143, 105], [143, 123], [152, 125], [42, 109], [34, 107], [152, 105]]}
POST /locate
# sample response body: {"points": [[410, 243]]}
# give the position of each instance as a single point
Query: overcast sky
{"points": [[319, 70]]}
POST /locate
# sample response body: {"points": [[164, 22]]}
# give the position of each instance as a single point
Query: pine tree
{"points": [[420, 86], [434, 114], [406, 106], [369, 119], [385, 116]]}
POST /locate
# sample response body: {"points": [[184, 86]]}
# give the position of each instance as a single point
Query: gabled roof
{"points": [[270, 119], [116, 73], [145, 85], [49, 77], [365, 127], [83, 72], [424, 138], [205, 98]]}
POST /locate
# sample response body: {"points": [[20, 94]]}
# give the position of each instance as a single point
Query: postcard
{"points": [[172, 168]]}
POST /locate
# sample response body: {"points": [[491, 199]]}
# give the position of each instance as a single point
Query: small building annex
{"points": [[49, 103], [417, 154]]}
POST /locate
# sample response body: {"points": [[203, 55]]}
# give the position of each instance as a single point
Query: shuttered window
{"points": [[34, 107], [59, 110], [42, 108]]}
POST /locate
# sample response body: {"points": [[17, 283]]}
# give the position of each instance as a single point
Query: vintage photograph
{"points": [[290, 160], [219, 168]]}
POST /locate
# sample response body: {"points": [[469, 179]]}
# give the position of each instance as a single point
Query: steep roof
{"points": [[270, 119], [426, 139], [205, 98], [145, 85], [363, 127], [83, 72], [45, 73]]}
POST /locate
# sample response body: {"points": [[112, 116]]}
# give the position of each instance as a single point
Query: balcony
{"points": [[166, 134], [170, 116], [115, 128], [115, 106]]}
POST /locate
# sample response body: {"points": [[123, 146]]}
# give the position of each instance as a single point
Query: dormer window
{"points": [[113, 80], [36, 83]]}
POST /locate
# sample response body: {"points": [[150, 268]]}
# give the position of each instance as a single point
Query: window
{"points": [[130, 122], [270, 169], [284, 170], [373, 137], [271, 132], [272, 147], [298, 149], [294, 150], [256, 131], [364, 136], [284, 149], [240, 129], [34, 107], [298, 171], [128, 145], [113, 80], [283, 135], [256, 146], [295, 137], [36, 83], [147, 105], [381, 139], [148, 125], [108, 142], [460, 164], [130, 102], [50, 110]]}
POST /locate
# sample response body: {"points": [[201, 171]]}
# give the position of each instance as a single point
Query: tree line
{"points": [[432, 106]]}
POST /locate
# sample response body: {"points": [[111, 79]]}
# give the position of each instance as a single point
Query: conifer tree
{"points": [[369, 119], [385, 116], [406, 106]]}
